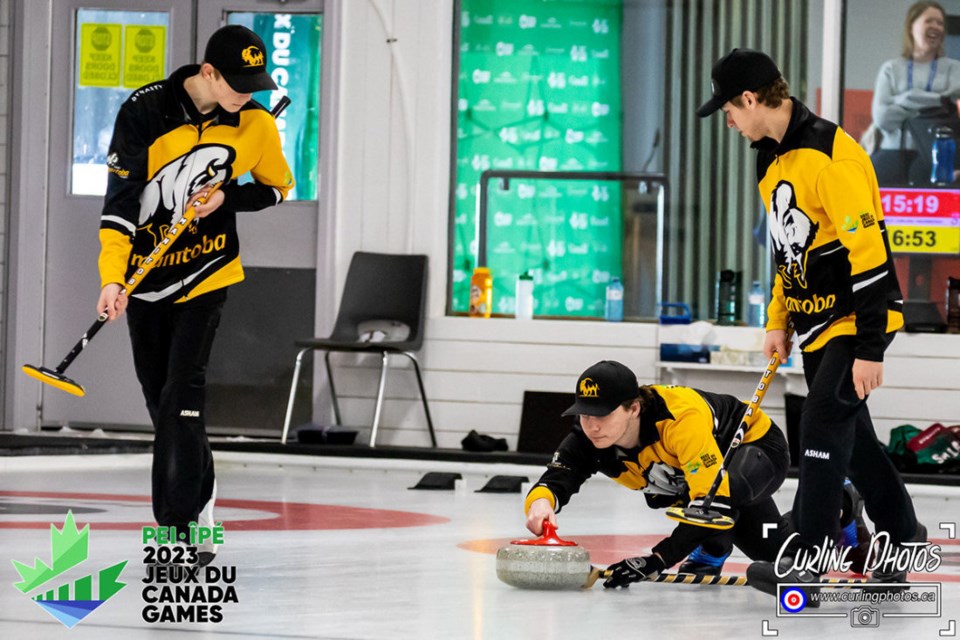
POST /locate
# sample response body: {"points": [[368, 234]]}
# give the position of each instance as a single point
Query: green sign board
{"points": [[539, 89], [293, 42]]}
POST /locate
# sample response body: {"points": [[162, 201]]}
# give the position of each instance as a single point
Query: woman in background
{"points": [[921, 78]]}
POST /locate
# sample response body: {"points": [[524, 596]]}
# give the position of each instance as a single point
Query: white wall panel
{"points": [[476, 372]]}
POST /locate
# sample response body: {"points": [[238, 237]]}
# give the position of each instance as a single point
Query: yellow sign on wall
{"points": [[941, 238], [144, 54], [99, 55]]}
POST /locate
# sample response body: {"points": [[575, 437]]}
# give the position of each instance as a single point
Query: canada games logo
{"points": [[68, 602]]}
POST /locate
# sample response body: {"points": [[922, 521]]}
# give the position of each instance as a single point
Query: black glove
{"points": [[655, 501], [633, 570]]}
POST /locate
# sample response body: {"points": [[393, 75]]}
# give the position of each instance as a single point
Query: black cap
{"points": [[738, 71], [241, 58], [602, 388]]}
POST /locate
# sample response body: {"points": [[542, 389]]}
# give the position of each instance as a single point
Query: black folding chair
{"points": [[382, 311]]}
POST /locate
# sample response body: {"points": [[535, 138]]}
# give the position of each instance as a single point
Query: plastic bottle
{"points": [[613, 309], [943, 152], [728, 286], [757, 308], [524, 309], [953, 305], [481, 293]]}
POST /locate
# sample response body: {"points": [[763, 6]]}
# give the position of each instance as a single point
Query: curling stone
{"points": [[547, 562]]}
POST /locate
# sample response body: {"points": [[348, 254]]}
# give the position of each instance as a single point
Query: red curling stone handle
{"points": [[548, 539]]}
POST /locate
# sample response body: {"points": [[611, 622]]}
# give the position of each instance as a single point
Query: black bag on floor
{"points": [[479, 442]]}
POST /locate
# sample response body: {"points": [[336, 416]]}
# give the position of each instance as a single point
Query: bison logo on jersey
{"points": [[792, 233], [165, 196]]}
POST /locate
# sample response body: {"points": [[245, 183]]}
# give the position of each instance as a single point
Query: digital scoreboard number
{"points": [[922, 220]]}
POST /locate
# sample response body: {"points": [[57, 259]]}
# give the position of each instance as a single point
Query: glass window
{"points": [[900, 100], [539, 89], [294, 41], [116, 52], [612, 85]]}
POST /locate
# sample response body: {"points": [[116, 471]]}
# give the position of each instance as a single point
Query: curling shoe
{"points": [[763, 577], [854, 532], [207, 550], [701, 563], [897, 576]]}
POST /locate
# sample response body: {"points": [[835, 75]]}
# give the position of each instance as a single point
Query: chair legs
{"points": [[333, 390], [380, 390], [384, 363], [423, 397], [384, 358], [293, 392]]}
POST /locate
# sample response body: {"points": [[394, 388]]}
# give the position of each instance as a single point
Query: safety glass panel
{"points": [[539, 89], [294, 42], [116, 52]]}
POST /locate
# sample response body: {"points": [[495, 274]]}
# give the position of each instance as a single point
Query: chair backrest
{"points": [[383, 287]]}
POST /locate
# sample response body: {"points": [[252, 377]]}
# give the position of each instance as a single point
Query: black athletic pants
{"points": [[171, 347], [756, 472], [837, 439]]}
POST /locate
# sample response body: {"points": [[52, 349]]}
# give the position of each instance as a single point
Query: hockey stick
{"points": [[56, 377], [701, 515]]}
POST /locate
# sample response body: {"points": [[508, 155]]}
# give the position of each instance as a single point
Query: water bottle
{"points": [[613, 310], [943, 152], [756, 309], [728, 296], [524, 310]]}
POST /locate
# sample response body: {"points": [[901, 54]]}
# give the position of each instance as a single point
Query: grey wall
{"points": [[5, 62], [646, 21]]}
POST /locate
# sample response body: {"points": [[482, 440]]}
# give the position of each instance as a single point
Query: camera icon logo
{"points": [[865, 617]]}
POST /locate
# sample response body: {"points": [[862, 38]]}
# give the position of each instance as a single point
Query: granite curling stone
{"points": [[547, 562]]}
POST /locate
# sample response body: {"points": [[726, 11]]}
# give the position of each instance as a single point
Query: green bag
{"points": [[899, 437]]}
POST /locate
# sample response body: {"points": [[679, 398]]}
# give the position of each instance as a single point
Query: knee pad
{"points": [[751, 476]]}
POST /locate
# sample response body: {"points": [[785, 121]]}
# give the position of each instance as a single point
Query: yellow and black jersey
{"points": [[164, 150], [683, 428], [835, 273]]}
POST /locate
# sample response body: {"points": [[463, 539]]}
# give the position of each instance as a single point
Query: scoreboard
{"points": [[922, 220]]}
